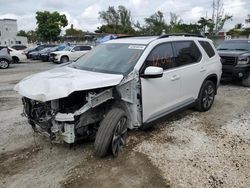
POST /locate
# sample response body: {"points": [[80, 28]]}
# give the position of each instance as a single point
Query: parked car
{"points": [[45, 55], [19, 47], [125, 83], [17, 55], [5, 58], [70, 53], [37, 54], [235, 59], [37, 48]]}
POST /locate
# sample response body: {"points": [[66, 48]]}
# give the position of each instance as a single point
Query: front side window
{"points": [[186, 52], [77, 48], [161, 56], [115, 58]]}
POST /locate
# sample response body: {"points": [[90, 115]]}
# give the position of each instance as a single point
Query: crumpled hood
{"points": [[60, 82]]}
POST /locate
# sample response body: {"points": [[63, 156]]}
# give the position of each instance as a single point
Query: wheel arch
{"points": [[62, 56], [15, 57], [214, 79]]}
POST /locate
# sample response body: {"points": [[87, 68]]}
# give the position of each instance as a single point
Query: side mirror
{"points": [[72, 50], [152, 72]]}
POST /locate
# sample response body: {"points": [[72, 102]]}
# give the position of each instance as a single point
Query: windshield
{"points": [[111, 58], [235, 45], [68, 48]]}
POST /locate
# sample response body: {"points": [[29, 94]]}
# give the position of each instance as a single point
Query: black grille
{"points": [[227, 60]]}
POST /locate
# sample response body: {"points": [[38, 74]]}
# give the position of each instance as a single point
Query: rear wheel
{"points": [[246, 81], [64, 59], [15, 59], [112, 133], [4, 63], [206, 96]]}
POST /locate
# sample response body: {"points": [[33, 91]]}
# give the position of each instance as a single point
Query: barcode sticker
{"points": [[136, 47]]}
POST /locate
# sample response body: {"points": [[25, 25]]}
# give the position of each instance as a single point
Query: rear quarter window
{"points": [[208, 48]]}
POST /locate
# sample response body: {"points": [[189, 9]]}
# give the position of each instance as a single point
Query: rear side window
{"points": [[208, 48], [161, 56], [186, 52], [85, 48]]}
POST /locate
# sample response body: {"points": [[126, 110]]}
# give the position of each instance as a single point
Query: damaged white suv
{"points": [[122, 84]]}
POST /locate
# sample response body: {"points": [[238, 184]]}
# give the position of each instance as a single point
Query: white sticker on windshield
{"points": [[136, 47]]}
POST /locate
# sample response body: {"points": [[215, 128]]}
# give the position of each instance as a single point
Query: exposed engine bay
{"points": [[78, 116]]}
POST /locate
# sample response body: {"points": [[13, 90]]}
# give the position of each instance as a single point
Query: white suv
{"points": [[126, 83], [70, 53]]}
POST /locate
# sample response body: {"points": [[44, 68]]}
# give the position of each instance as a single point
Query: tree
{"points": [[174, 19], [49, 25], [154, 24], [218, 16], [186, 28], [206, 25], [73, 32], [248, 18], [22, 33], [116, 21], [31, 35]]}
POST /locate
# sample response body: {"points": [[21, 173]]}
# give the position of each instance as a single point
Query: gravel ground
{"points": [[191, 149]]}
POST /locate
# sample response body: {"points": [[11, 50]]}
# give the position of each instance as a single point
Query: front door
{"points": [[160, 95]]}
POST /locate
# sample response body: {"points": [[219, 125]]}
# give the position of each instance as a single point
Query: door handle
{"points": [[175, 77], [202, 69]]}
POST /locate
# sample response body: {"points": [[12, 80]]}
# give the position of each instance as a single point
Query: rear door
{"points": [[189, 61], [160, 95]]}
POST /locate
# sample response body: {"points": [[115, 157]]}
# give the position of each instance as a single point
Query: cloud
{"points": [[84, 14]]}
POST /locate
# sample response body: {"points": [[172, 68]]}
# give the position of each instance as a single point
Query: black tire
{"points": [[4, 64], [206, 96], [107, 137], [15, 59], [246, 81], [64, 59]]}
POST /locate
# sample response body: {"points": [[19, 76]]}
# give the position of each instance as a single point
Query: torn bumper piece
{"points": [[61, 126]]}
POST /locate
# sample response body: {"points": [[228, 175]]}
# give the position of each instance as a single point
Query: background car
{"points": [[17, 55], [19, 47], [235, 59], [37, 48], [36, 54], [5, 58], [45, 55], [70, 53]]}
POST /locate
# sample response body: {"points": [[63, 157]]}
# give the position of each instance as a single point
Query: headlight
{"points": [[243, 60]]}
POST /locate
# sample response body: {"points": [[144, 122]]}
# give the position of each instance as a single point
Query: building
{"points": [[8, 33]]}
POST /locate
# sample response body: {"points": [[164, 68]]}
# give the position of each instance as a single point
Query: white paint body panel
{"points": [[71, 55], [60, 82], [162, 95], [18, 53]]}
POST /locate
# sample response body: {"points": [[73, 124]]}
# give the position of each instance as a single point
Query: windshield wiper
{"points": [[223, 49], [241, 49]]}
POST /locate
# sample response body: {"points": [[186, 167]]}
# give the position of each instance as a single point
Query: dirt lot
{"points": [[191, 149]]}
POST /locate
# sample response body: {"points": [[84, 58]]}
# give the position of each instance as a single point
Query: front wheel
{"points": [[4, 64], [112, 133], [64, 59], [206, 96]]}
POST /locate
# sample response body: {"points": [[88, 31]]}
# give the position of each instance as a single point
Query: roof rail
{"points": [[180, 34], [127, 36]]}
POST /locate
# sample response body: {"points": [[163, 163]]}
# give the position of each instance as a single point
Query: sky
{"points": [[83, 14]]}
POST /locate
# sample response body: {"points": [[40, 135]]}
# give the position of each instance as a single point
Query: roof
{"points": [[134, 40], [147, 39]]}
